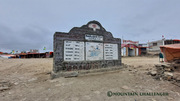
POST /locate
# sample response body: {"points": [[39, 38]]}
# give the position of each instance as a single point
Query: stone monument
{"points": [[87, 47]]}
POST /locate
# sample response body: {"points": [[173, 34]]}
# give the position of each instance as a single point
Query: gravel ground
{"points": [[29, 80]]}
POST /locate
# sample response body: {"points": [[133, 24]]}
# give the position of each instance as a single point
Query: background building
{"points": [[154, 46], [129, 48]]}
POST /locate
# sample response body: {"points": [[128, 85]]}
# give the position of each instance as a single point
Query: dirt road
{"points": [[29, 80]]}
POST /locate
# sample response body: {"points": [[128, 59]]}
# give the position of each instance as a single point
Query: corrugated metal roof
{"points": [[174, 46]]}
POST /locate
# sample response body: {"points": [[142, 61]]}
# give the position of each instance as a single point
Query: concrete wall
{"points": [[155, 48], [125, 51]]}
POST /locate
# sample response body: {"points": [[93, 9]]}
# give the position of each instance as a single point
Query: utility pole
{"points": [[163, 39], [122, 39]]}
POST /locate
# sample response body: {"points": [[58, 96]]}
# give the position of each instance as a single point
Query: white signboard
{"points": [[94, 51], [73, 51], [110, 52], [94, 37]]}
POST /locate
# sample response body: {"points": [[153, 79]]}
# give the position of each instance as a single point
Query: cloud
{"points": [[31, 37], [31, 24]]}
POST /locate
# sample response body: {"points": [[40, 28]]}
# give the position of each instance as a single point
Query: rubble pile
{"points": [[4, 85], [170, 71]]}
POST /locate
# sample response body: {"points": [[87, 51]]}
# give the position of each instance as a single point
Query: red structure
{"points": [[171, 52], [129, 49], [32, 55]]}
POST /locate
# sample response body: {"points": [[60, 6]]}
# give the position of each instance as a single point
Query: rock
{"points": [[130, 70], [168, 69], [168, 75], [16, 83], [177, 93], [86, 98], [97, 92], [5, 85], [73, 74], [168, 78], [169, 98], [153, 73], [48, 72], [158, 65], [58, 85], [176, 76], [172, 68], [10, 93], [156, 77], [4, 88], [165, 65], [24, 99], [153, 99], [140, 66], [125, 87], [33, 79], [74, 99], [175, 65]]}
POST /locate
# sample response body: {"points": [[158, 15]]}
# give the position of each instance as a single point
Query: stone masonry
{"points": [[94, 40]]}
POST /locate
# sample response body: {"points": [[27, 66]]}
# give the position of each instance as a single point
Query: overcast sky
{"points": [[30, 24]]}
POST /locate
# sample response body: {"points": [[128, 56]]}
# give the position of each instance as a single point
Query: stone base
{"points": [[75, 73]]}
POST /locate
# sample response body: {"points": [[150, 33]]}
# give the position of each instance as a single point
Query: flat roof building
{"points": [[154, 46]]}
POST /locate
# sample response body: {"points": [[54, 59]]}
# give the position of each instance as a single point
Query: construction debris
{"points": [[5, 86], [170, 72]]}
